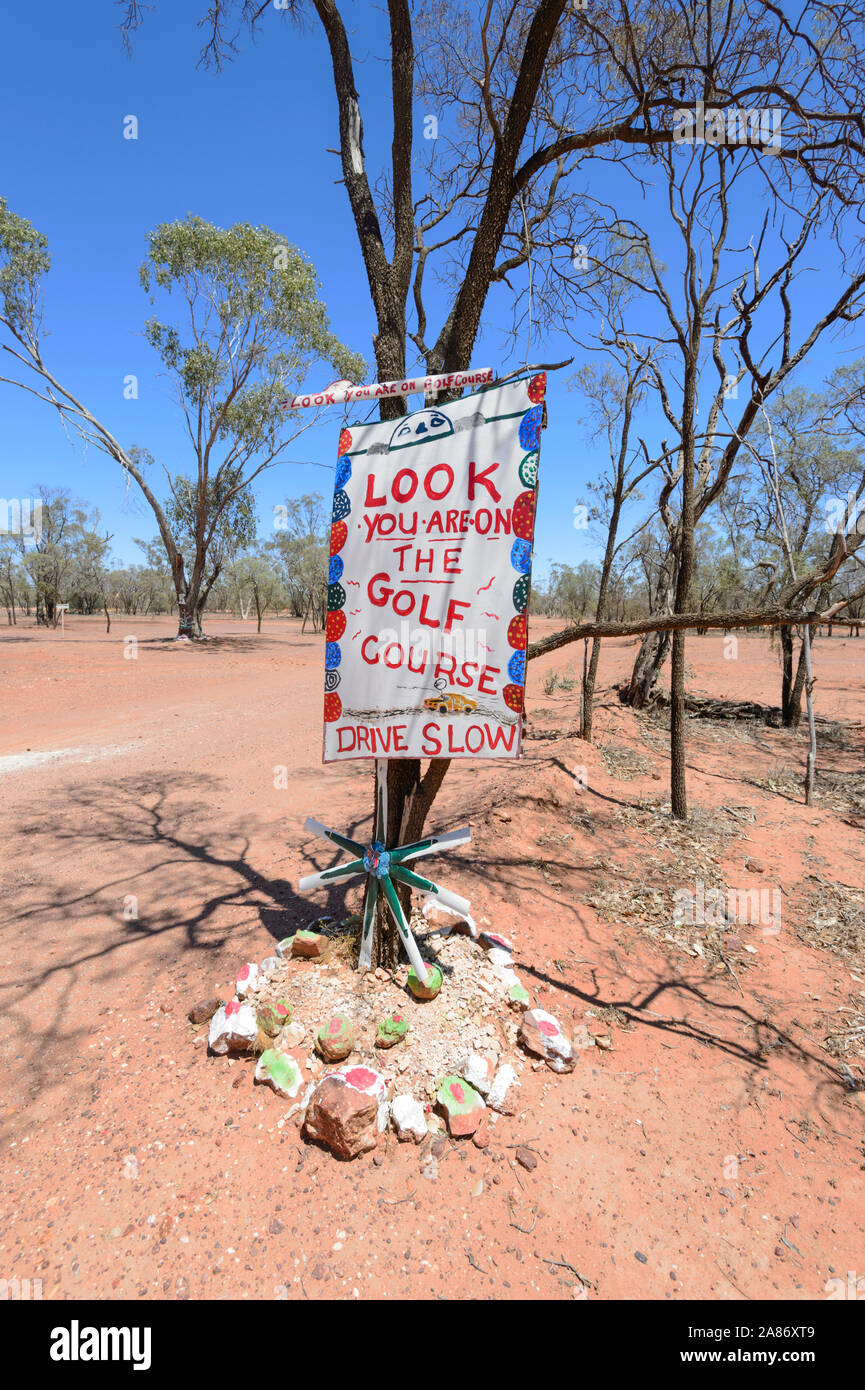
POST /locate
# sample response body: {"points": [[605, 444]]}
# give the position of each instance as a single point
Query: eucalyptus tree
{"points": [[250, 327]]}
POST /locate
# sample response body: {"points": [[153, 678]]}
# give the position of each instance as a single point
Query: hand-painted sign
{"points": [[344, 391], [431, 553]]}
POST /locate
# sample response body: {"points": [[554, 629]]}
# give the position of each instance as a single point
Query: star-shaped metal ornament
{"points": [[382, 866]]}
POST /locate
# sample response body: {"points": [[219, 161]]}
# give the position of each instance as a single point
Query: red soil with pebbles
{"points": [[152, 845]]}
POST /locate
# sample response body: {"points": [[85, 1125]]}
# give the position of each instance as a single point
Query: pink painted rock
{"points": [[247, 979], [233, 1028], [335, 1039], [462, 1106], [391, 1030], [310, 944], [274, 1017], [490, 939], [343, 1116], [541, 1034]]}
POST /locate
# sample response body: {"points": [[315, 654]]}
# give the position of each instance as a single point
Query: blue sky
{"points": [[245, 144]]}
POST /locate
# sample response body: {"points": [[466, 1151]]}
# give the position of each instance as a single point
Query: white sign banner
{"points": [[344, 391], [431, 553]]}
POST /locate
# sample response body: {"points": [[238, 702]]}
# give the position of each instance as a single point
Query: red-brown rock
{"points": [[342, 1117]]}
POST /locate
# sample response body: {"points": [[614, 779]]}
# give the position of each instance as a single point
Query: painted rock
{"points": [[334, 626], [429, 990], [247, 979], [518, 997], [335, 1039], [341, 505], [529, 469], [491, 939], [521, 594], [521, 556], [233, 1028], [514, 697], [336, 595], [518, 632], [391, 1030], [269, 964], [500, 955], [409, 1119], [342, 1117], [478, 1071], [462, 1106], [338, 536], [273, 1017], [283, 947], [343, 471], [541, 1034], [310, 944], [292, 1035], [364, 1079], [530, 427], [344, 441], [524, 515], [504, 1092], [332, 707], [537, 388], [204, 1010], [281, 1071], [516, 668]]}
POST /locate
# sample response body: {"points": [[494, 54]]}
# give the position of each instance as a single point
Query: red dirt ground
{"points": [[714, 1153]]}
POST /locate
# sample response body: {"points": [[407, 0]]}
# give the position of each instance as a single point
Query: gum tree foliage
{"points": [[300, 553], [248, 324]]}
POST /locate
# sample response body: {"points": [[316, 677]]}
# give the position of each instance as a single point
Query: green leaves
{"points": [[24, 259]]}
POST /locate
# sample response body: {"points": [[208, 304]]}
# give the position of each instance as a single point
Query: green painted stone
{"points": [[462, 1105], [391, 1030], [273, 1017], [283, 947], [421, 991], [529, 469], [518, 997], [335, 1039], [281, 1071]]}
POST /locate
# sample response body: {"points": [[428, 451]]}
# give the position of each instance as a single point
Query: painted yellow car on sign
{"points": [[450, 702]]}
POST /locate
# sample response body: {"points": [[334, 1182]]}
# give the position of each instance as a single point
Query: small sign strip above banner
{"points": [[344, 391]]}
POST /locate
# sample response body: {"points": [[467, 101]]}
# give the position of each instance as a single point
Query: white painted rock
{"points": [[247, 979], [281, 1071], [382, 1116], [478, 1072], [283, 947], [269, 964], [409, 1119], [542, 1035], [503, 1095], [448, 921], [233, 1028], [497, 955]]}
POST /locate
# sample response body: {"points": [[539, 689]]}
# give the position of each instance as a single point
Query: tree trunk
{"points": [[654, 646], [786, 634], [795, 702]]}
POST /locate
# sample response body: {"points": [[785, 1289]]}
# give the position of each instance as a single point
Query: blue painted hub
{"points": [[376, 861]]}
